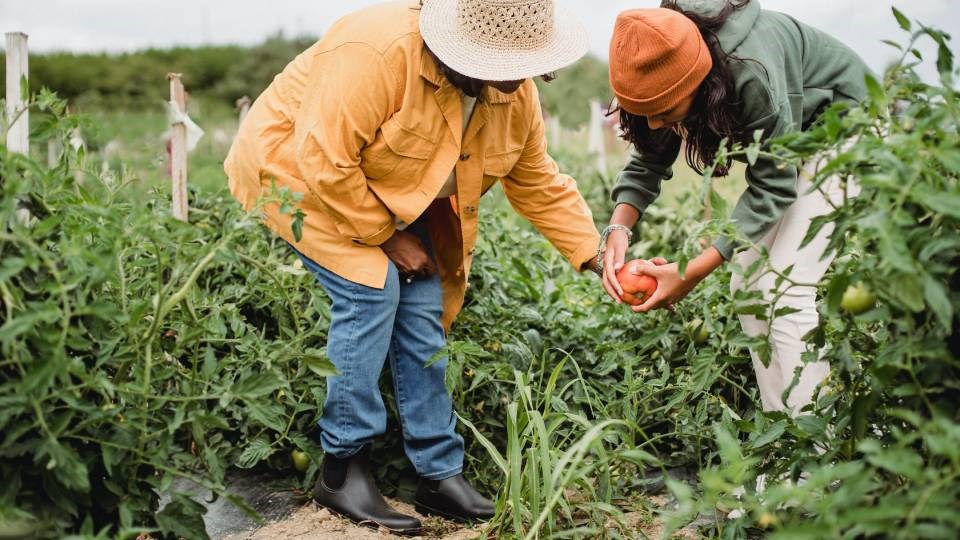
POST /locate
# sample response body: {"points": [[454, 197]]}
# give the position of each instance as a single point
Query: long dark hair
{"points": [[468, 85], [714, 114]]}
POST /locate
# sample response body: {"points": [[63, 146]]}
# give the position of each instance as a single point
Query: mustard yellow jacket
{"points": [[364, 125]]}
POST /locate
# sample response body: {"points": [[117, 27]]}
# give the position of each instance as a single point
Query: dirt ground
{"points": [[310, 522]]}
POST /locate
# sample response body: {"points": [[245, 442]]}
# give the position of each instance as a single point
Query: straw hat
{"points": [[502, 40]]}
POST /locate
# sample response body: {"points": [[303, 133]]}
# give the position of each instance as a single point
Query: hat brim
{"points": [[439, 29]]}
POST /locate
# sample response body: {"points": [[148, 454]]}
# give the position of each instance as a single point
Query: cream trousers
{"points": [[809, 263]]}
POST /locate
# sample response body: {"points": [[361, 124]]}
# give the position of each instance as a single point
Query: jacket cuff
{"points": [[378, 237], [584, 252], [726, 246], [627, 196]]}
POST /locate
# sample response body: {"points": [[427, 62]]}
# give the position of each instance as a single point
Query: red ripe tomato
{"points": [[636, 289]]}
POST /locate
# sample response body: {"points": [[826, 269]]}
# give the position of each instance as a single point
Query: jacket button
{"points": [[471, 209], [464, 157]]}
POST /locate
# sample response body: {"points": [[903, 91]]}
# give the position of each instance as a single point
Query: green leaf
{"points": [[255, 452], [24, 323], [256, 385], [771, 435], [892, 43], [909, 292], [899, 461], [875, 89], [183, 518], [950, 159], [901, 19], [639, 457], [838, 285], [318, 362], [937, 296], [297, 224], [24, 89], [753, 152], [270, 415], [10, 266], [66, 465], [937, 200]]}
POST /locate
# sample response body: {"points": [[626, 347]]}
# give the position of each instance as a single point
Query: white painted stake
{"points": [[76, 142], [243, 107], [178, 150], [597, 145], [18, 134], [54, 149], [555, 130]]}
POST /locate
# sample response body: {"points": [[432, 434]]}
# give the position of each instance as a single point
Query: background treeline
{"points": [[94, 81]]}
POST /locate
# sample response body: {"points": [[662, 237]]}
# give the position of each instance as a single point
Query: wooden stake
{"points": [[597, 145], [243, 107], [555, 130], [18, 134], [54, 149], [707, 213], [178, 149], [76, 142]]}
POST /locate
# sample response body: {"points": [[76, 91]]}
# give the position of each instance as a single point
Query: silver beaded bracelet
{"points": [[602, 248]]}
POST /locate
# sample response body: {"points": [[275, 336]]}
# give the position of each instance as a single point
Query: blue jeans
{"points": [[400, 322]]}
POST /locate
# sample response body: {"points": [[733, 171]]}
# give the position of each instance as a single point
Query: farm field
{"points": [[140, 354]]}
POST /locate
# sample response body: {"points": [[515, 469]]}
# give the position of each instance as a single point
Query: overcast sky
{"points": [[120, 25]]}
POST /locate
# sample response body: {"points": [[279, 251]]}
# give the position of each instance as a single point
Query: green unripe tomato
{"points": [[301, 461], [858, 299], [697, 331]]}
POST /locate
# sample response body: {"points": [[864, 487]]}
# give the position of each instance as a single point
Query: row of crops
{"points": [[136, 350]]}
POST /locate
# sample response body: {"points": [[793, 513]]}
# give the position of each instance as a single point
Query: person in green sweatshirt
{"points": [[690, 75]]}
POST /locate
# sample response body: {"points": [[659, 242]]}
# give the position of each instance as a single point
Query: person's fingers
{"points": [[610, 290], [638, 269], [610, 275], [656, 300], [652, 303], [619, 255], [609, 279], [659, 261]]}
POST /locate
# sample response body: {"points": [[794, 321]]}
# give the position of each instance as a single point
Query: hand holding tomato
{"points": [[671, 288], [636, 288], [613, 258]]}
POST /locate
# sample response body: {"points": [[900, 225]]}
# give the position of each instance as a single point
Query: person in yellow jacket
{"points": [[392, 127]]}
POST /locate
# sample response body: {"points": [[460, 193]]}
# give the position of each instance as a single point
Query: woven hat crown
{"points": [[510, 24]]}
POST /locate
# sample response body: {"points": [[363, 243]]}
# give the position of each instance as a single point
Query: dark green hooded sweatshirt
{"points": [[785, 74]]}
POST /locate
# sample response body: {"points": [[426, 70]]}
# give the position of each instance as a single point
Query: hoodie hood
{"points": [[737, 27]]}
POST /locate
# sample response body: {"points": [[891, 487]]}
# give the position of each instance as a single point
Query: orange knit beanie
{"points": [[657, 58]]}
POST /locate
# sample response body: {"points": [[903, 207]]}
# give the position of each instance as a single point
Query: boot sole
{"points": [[369, 524], [425, 510]]}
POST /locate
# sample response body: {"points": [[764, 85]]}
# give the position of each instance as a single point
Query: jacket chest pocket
{"points": [[397, 153], [497, 165]]}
